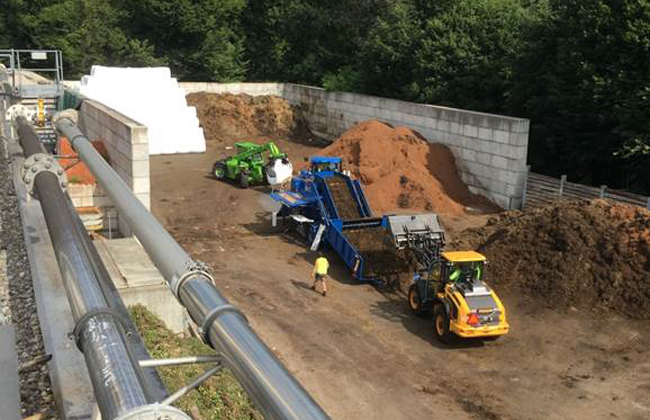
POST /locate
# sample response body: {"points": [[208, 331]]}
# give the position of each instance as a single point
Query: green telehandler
{"points": [[248, 165]]}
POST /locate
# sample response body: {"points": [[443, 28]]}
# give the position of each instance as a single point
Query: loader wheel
{"points": [[441, 325], [415, 302], [219, 170], [243, 180]]}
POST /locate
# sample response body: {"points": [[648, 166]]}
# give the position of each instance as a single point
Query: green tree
{"points": [[308, 41], [86, 31], [387, 56], [202, 39], [466, 53], [585, 84]]}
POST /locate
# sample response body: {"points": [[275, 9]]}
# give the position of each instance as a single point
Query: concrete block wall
{"points": [[128, 149], [490, 150]]}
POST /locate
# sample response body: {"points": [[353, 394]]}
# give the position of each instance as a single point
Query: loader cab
{"points": [[325, 164], [463, 267]]}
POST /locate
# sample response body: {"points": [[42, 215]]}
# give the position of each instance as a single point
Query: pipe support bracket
{"points": [[192, 268]]}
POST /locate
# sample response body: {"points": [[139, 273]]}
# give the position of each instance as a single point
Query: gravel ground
{"points": [[17, 303]]}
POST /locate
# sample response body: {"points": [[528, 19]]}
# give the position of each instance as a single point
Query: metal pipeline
{"points": [[118, 382], [275, 392]]}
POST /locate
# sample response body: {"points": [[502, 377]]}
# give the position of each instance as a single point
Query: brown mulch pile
{"points": [[583, 254], [244, 115], [400, 169]]}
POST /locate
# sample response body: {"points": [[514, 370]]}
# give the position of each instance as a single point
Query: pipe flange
{"points": [[192, 268], [81, 322], [70, 114], [40, 162], [154, 412], [19, 110]]}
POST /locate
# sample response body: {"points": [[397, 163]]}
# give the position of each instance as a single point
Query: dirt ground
{"points": [[362, 354]]}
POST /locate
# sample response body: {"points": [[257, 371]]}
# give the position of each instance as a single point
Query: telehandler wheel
{"points": [[441, 325], [243, 179], [415, 302], [219, 170]]}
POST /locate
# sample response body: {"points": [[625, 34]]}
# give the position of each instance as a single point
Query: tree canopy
{"points": [[579, 70]]}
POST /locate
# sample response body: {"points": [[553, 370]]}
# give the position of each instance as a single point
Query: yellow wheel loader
{"points": [[450, 285]]}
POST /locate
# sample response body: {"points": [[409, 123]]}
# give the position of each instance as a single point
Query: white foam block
{"points": [[151, 97]]}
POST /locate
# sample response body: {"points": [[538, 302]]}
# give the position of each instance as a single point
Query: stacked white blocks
{"points": [[152, 97]]}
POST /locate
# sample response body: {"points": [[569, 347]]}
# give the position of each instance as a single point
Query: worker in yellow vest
{"points": [[320, 272]]}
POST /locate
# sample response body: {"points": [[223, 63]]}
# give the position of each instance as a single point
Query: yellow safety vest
{"points": [[321, 266]]}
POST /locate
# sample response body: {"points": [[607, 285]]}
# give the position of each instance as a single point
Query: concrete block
{"points": [[372, 101], [485, 133], [140, 168], [420, 122], [517, 178], [138, 135], [513, 152], [519, 139], [443, 125], [499, 162], [469, 155], [437, 136], [478, 169], [450, 114], [501, 136], [517, 165], [470, 130], [502, 123], [521, 126], [455, 127], [408, 119], [487, 147], [141, 185], [470, 118], [496, 186], [119, 127], [484, 158], [139, 152]]}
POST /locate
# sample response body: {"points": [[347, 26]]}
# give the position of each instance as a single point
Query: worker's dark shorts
{"points": [[320, 277]]}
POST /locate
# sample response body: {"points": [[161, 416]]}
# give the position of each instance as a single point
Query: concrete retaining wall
{"points": [[128, 149], [490, 150]]}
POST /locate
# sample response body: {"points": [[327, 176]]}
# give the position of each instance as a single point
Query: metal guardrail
{"points": [[51, 64], [276, 392], [541, 190]]}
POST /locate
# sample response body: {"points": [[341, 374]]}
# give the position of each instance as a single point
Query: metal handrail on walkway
{"points": [[275, 392]]}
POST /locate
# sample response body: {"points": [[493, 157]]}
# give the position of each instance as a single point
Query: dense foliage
{"points": [[579, 69]]}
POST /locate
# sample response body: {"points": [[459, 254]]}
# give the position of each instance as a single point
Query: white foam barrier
{"points": [[151, 96]]}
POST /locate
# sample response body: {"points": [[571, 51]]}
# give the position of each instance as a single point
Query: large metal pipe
{"points": [[118, 382], [275, 392]]}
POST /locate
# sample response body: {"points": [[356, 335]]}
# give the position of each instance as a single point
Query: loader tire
{"points": [[219, 170], [243, 180], [415, 301], [441, 325]]}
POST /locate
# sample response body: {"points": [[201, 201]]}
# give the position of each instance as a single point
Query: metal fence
{"points": [[541, 190]]}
